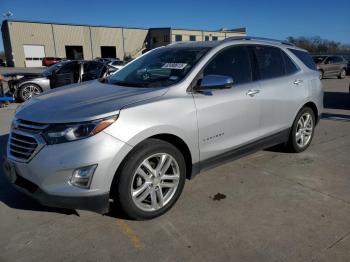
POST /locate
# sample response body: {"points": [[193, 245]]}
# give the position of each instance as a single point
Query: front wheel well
{"points": [[172, 139], [314, 109], [183, 148]]}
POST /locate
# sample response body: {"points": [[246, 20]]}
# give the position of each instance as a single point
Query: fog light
{"points": [[82, 177]]}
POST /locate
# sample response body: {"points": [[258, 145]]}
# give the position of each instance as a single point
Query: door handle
{"points": [[297, 81], [252, 93]]}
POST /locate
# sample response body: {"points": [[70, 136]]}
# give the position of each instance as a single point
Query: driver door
{"points": [[65, 75], [228, 118]]}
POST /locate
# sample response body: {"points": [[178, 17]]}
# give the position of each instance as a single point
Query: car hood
{"points": [[83, 102]]}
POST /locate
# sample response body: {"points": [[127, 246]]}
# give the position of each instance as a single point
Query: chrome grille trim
{"points": [[29, 126], [25, 140]]}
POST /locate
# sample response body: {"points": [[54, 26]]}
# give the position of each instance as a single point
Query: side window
{"points": [[233, 62], [329, 60], [304, 57], [69, 68], [337, 59], [92, 67], [289, 65], [270, 62]]}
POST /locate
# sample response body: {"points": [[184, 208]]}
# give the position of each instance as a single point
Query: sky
{"points": [[273, 19]]}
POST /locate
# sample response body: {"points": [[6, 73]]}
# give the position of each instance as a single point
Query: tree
{"points": [[317, 45]]}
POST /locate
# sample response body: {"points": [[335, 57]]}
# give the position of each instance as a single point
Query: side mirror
{"points": [[215, 82]]}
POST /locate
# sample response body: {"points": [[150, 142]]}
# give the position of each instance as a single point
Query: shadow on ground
{"points": [[336, 100], [15, 199]]}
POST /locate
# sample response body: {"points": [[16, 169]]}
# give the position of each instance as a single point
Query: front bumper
{"points": [[46, 176], [96, 203]]}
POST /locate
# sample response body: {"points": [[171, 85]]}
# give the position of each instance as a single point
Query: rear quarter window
{"points": [[305, 58]]}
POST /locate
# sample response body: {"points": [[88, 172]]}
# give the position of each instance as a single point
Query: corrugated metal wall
{"points": [[200, 35], [29, 34], [55, 37], [101, 36]]}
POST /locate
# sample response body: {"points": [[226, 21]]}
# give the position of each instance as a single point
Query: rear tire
{"points": [[150, 179], [342, 74], [27, 91], [302, 131]]}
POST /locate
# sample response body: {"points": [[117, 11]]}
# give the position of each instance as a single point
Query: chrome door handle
{"points": [[252, 92], [297, 81]]}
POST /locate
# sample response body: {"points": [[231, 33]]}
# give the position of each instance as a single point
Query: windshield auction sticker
{"points": [[179, 66]]}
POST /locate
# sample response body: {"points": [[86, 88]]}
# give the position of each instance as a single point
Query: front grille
{"points": [[22, 146], [25, 139]]}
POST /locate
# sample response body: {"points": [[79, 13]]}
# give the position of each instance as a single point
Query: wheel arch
{"points": [[313, 107], [176, 141]]}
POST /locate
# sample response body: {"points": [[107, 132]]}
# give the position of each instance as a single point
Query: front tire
{"points": [[27, 91], [150, 180], [302, 131]]}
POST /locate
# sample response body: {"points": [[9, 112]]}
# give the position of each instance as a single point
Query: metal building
{"points": [[26, 43]]}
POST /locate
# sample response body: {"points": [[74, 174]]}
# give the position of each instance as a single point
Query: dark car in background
{"points": [[347, 58], [2, 62], [49, 61], [25, 85], [331, 65]]}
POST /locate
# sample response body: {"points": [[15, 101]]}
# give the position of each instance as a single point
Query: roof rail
{"points": [[232, 38]]}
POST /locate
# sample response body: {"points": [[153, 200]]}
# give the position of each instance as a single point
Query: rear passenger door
{"points": [[282, 87], [228, 118], [92, 70]]}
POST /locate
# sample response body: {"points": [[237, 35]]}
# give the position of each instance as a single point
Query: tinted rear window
{"points": [[305, 58], [270, 62]]}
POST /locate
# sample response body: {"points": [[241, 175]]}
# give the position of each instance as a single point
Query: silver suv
{"points": [[134, 137]]}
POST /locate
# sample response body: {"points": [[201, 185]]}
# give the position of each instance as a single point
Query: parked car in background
{"points": [[2, 62], [331, 65], [116, 63], [25, 85], [48, 61], [347, 58], [135, 137]]}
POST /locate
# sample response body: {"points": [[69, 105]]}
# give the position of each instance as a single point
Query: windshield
{"points": [[53, 68], [159, 68], [318, 59]]}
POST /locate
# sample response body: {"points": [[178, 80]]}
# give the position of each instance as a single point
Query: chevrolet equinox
{"points": [[134, 138]]}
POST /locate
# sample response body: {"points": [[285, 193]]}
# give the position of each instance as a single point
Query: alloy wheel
{"points": [[304, 130], [29, 91], [155, 182]]}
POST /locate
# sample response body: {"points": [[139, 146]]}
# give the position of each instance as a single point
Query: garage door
{"points": [[34, 55]]}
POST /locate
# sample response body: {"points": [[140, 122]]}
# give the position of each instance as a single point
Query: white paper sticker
{"points": [[179, 66]]}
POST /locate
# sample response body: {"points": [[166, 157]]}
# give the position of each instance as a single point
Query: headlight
{"points": [[61, 133]]}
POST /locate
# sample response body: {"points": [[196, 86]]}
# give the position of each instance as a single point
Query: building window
{"points": [[215, 38], [166, 38], [192, 38], [206, 38], [178, 38], [154, 40]]}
